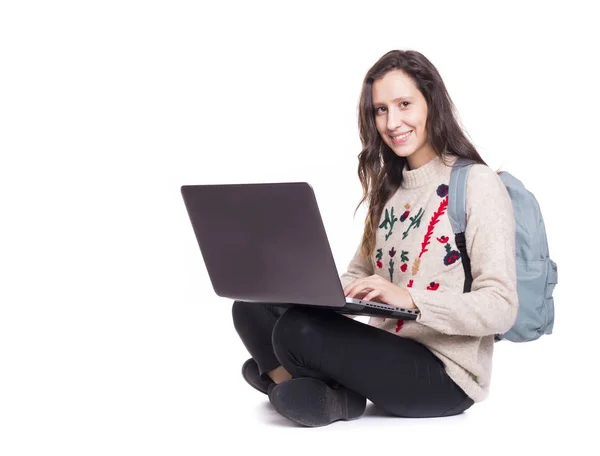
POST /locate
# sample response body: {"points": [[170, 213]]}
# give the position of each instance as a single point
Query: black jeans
{"points": [[398, 375]]}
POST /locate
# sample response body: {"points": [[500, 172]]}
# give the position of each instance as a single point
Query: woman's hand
{"points": [[375, 286]]}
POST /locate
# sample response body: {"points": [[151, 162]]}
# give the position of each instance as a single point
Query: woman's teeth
{"points": [[402, 136], [400, 139]]}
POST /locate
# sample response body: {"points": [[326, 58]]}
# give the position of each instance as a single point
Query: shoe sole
{"points": [[312, 403]]}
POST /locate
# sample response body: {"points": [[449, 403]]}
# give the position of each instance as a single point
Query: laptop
{"points": [[266, 242]]}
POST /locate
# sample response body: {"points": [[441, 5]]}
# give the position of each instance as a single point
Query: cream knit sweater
{"points": [[415, 249]]}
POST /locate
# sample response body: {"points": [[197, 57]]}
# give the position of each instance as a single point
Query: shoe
{"points": [[311, 402], [252, 376]]}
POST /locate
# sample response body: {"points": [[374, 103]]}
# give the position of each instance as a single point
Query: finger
{"points": [[372, 295], [359, 284], [357, 288], [351, 286], [359, 294], [353, 292]]}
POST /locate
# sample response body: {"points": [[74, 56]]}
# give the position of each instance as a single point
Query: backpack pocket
{"points": [[536, 280]]}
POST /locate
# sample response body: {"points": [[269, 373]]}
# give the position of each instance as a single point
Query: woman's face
{"points": [[399, 107]]}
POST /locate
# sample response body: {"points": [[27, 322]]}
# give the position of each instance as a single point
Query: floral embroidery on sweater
{"points": [[391, 269], [433, 286], [406, 212], [379, 257], [415, 266], [442, 192], [414, 222], [404, 260], [451, 255], [389, 220]]}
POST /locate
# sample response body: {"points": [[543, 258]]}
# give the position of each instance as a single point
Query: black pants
{"points": [[398, 375]]}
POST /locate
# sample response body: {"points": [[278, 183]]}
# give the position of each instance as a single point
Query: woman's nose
{"points": [[393, 120]]}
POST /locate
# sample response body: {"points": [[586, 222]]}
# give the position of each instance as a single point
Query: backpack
{"points": [[536, 272]]}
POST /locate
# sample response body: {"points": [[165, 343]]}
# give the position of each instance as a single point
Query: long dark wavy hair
{"points": [[379, 168]]}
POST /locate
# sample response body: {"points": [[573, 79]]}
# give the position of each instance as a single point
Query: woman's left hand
{"points": [[382, 289]]}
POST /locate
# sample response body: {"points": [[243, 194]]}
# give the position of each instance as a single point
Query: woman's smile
{"points": [[401, 139]]}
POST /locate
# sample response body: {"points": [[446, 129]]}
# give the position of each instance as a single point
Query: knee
{"points": [[296, 326], [240, 312]]}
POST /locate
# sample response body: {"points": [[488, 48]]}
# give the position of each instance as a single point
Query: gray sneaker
{"points": [[311, 402]]}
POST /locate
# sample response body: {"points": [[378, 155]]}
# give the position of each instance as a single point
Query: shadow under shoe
{"points": [[252, 376], [311, 402]]}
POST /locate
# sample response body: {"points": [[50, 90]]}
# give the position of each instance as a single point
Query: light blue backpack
{"points": [[536, 272]]}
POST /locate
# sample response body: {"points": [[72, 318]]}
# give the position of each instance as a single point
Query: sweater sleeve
{"points": [[491, 306], [359, 266]]}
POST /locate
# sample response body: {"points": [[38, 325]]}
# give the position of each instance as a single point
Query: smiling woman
{"points": [[319, 367], [401, 121]]}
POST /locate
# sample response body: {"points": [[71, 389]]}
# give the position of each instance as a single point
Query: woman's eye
{"points": [[381, 108]]}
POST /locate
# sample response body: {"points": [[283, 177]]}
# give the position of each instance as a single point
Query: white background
{"points": [[112, 340]]}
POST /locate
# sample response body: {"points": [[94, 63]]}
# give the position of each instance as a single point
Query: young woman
{"points": [[318, 366]]}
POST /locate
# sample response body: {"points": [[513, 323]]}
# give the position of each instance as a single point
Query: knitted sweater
{"points": [[415, 249]]}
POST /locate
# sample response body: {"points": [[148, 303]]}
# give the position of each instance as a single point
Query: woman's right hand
{"points": [[361, 294]]}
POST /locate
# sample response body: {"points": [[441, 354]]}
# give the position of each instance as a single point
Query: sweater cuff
{"points": [[431, 305]]}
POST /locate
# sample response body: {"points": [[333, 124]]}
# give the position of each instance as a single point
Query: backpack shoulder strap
{"points": [[457, 202]]}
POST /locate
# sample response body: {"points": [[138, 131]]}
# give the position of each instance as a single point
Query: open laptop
{"points": [[266, 242]]}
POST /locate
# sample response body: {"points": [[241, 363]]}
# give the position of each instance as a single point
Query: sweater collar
{"points": [[424, 174]]}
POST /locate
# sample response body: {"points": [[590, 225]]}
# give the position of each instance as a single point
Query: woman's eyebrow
{"points": [[393, 101]]}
